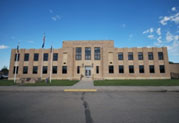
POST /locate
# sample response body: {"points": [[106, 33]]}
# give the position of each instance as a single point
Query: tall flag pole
{"points": [[17, 58], [51, 52], [43, 45]]}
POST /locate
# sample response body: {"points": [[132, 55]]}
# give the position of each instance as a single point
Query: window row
{"points": [[87, 53], [141, 69], [44, 70], [36, 57], [140, 56]]}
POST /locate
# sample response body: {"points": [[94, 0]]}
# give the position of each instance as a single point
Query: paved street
{"points": [[96, 107]]}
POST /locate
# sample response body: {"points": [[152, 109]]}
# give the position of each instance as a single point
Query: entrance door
{"points": [[87, 71]]}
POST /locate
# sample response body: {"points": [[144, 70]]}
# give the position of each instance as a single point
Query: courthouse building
{"points": [[98, 59]]}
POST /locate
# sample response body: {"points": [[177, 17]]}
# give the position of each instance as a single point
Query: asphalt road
{"points": [[98, 107]]}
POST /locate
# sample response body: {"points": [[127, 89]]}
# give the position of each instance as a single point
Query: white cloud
{"points": [[150, 36], [30, 41], [159, 40], [174, 48], [158, 31], [173, 18], [123, 25], [148, 31], [170, 37], [173, 8], [3, 47], [56, 17]]}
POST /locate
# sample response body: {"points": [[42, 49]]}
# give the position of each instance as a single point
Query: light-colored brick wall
{"points": [[109, 56]]}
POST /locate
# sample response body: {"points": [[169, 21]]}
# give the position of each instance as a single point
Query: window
{"points": [[151, 69], [130, 56], [140, 56], [45, 68], [160, 55], [16, 68], [45, 57], [35, 70], [36, 56], [131, 69], [25, 70], [97, 53], [55, 56], [26, 57], [121, 69], [17, 56], [141, 68], [78, 69], [111, 69], [150, 56], [64, 69], [87, 53], [97, 69], [54, 69], [78, 53], [120, 56], [162, 69]]}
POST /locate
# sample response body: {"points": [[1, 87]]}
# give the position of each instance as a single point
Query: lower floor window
{"points": [[54, 69], [78, 69], [35, 69], [15, 70], [121, 69], [151, 69], [162, 69], [111, 69], [141, 68], [45, 69], [131, 69], [64, 69], [25, 70], [97, 69]]}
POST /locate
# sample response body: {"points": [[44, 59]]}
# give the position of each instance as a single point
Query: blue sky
{"points": [[130, 23]]}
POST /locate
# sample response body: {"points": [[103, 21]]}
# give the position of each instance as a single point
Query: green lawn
{"points": [[6, 82], [53, 83], [137, 82]]}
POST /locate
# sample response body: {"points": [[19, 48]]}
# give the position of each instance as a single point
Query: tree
{"points": [[4, 70]]}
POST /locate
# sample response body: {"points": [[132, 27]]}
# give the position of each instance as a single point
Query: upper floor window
{"points": [[162, 69], [36, 56], [130, 56], [140, 55], [160, 55], [45, 58], [120, 56], [87, 53], [26, 57], [97, 53], [150, 56], [78, 53], [17, 57], [55, 56]]}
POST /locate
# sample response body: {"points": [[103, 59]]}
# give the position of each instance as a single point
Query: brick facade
{"points": [[97, 69]]}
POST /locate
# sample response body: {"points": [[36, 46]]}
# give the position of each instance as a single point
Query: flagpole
{"points": [[51, 64], [43, 44], [17, 55]]}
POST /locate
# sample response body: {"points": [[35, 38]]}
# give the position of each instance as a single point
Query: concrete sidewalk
{"points": [[98, 88]]}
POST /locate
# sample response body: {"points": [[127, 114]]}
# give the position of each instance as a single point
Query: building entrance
{"points": [[88, 71]]}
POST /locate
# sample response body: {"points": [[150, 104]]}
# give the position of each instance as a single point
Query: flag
{"points": [[43, 41], [18, 48]]}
